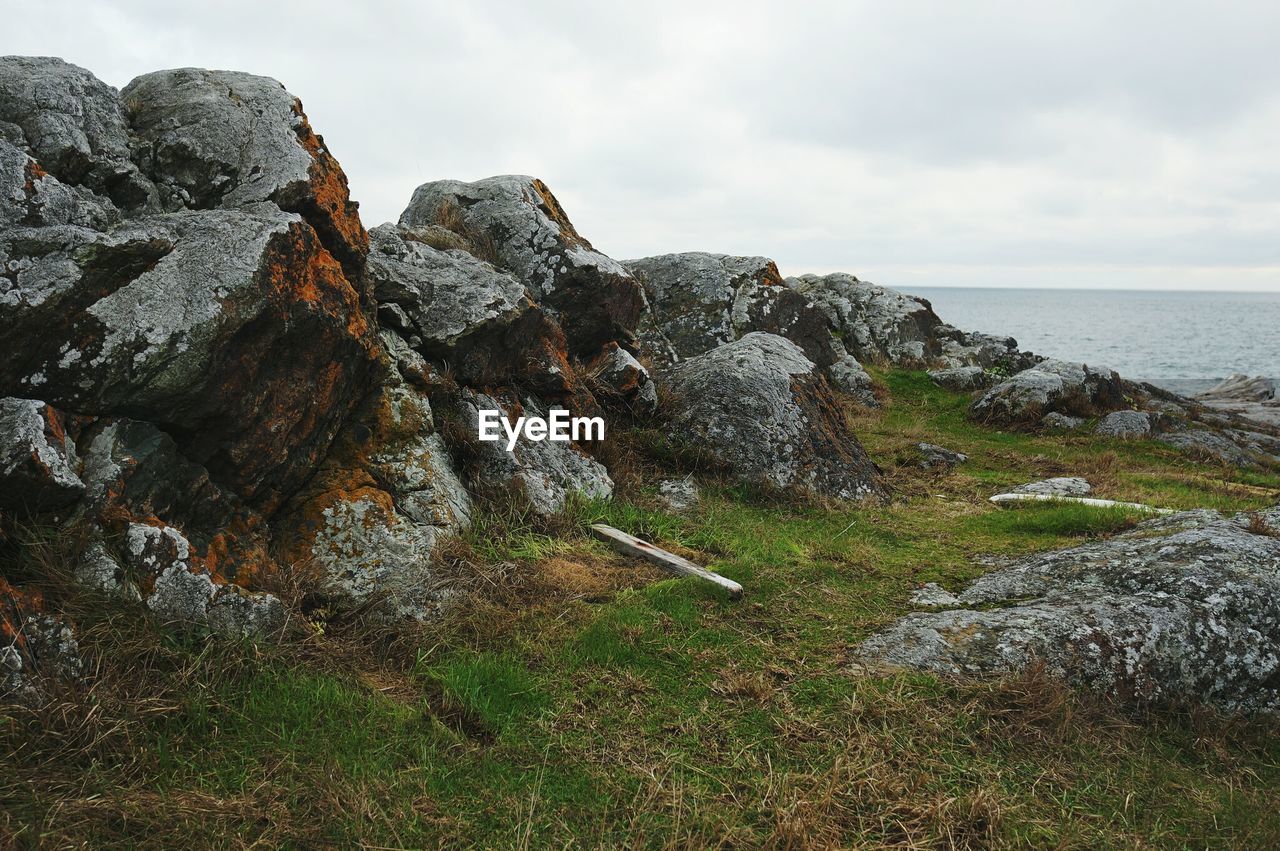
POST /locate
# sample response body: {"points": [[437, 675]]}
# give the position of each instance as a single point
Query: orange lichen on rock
{"points": [[15, 605], [331, 197]]}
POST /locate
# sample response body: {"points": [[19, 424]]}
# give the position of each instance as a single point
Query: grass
{"points": [[585, 700]]}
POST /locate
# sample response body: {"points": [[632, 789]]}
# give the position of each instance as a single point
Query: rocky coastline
{"points": [[215, 373]]}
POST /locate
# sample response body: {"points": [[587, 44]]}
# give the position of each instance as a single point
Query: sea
{"points": [[1183, 340]]}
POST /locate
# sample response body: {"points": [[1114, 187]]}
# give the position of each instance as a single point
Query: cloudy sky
{"points": [[1098, 144]]}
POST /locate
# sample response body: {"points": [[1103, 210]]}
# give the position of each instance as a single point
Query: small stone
{"points": [[961, 378], [933, 456], [678, 494], [1059, 486], [1054, 421]]}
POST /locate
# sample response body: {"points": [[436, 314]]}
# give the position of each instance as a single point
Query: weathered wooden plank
{"points": [[1006, 498], [633, 546]]}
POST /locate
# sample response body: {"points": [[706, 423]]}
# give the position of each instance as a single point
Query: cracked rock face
{"points": [[72, 123], [1183, 608], [527, 232], [545, 473], [696, 301], [766, 413], [1074, 389]]}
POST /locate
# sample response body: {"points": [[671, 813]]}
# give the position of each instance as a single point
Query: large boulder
{"points": [[1074, 389], [226, 139], [544, 474], [1185, 608], [454, 308], [696, 301], [518, 224], [225, 325], [881, 325], [767, 414], [73, 124]]}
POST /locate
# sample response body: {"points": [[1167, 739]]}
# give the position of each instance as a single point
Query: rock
{"points": [[1051, 386], [221, 323], [213, 139], [1054, 421], [696, 301], [525, 230], [37, 460], [463, 311], [1210, 445], [626, 377], [678, 494], [1059, 486], [30, 196], [544, 473], [73, 125], [34, 646], [1182, 609], [373, 514], [961, 378], [1240, 388], [766, 413], [934, 457], [1124, 425], [933, 595], [1252, 398], [880, 325]]}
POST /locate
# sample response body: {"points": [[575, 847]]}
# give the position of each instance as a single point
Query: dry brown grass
{"points": [[477, 241], [1258, 525]]}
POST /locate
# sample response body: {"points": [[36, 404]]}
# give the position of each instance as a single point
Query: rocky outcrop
{"points": [[517, 223], [1252, 398], [1185, 608], [1052, 386], [880, 325], [696, 301], [766, 413]]}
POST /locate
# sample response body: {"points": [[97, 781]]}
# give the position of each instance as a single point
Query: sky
{"points": [[1081, 144]]}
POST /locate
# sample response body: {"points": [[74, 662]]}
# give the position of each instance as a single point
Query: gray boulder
{"points": [[766, 413], [696, 301], [215, 322], [881, 325], [1125, 425], [31, 196], [1185, 608], [1074, 389], [1054, 421], [73, 125], [934, 457], [678, 494], [224, 139], [961, 378], [1210, 445], [37, 460], [518, 224], [545, 473], [1252, 398], [1059, 486]]}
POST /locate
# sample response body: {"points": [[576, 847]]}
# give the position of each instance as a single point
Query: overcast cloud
{"points": [[1004, 144]]}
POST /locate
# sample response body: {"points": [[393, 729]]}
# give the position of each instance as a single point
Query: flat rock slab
{"points": [[1184, 608]]}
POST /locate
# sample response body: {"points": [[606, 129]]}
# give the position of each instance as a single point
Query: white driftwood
{"points": [[633, 546], [1006, 498]]}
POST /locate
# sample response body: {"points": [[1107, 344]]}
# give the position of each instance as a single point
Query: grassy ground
{"points": [[587, 701]]}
